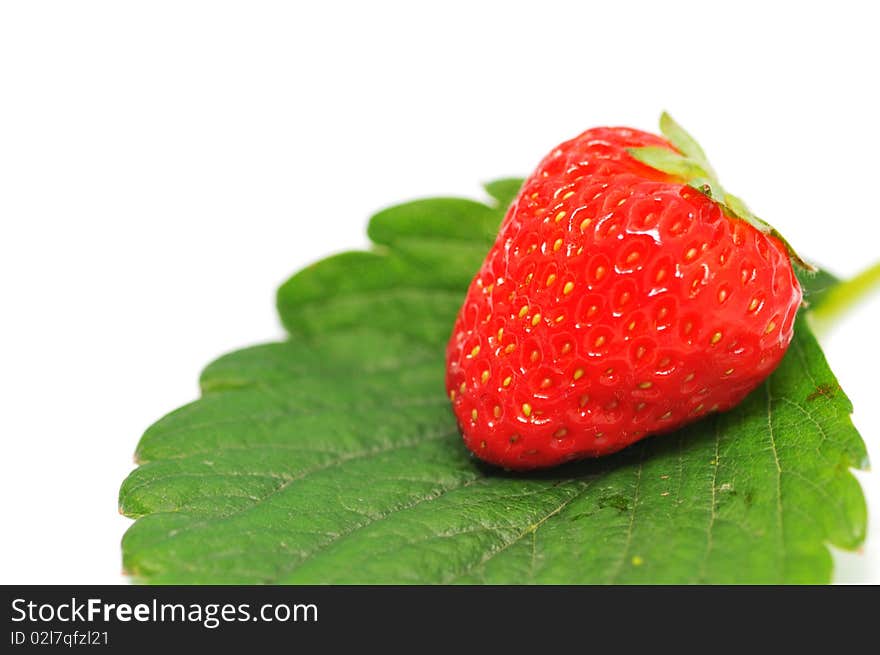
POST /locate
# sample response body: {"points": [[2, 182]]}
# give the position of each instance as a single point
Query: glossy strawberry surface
{"points": [[617, 302]]}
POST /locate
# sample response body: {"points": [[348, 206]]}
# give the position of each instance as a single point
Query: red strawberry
{"points": [[626, 294]]}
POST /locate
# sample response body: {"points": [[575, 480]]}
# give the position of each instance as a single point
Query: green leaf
{"points": [[504, 191], [816, 286], [334, 457], [685, 143], [736, 208], [694, 169], [669, 162], [740, 209]]}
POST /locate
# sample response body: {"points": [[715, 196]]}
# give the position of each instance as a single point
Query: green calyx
{"points": [[691, 165]]}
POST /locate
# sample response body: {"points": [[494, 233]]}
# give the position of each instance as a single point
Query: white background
{"points": [[165, 165]]}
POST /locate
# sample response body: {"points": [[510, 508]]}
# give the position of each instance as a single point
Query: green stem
{"points": [[845, 295]]}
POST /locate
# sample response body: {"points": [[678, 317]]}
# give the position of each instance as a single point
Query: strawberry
{"points": [[627, 294]]}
